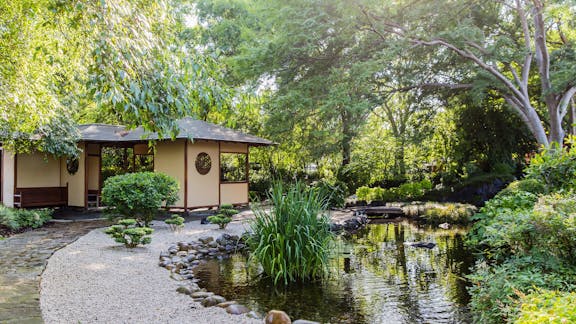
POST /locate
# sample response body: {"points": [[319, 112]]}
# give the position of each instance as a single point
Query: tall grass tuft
{"points": [[292, 240]]}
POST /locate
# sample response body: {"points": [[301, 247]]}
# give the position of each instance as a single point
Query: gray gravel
{"points": [[95, 280]]}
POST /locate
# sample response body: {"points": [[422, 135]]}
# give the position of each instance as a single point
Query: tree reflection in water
{"points": [[375, 278]]}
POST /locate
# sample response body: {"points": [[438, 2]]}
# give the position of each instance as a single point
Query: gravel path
{"points": [[95, 280]]}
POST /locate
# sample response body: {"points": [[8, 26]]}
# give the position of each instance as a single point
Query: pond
{"points": [[375, 278]]}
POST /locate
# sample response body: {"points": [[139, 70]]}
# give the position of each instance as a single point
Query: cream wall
{"points": [[93, 173], [37, 170], [226, 147], [234, 193], [76, 194], [203, 189], [169, 159], [8, 179]]}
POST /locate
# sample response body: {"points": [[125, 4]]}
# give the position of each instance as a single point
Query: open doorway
{"points": [[121, 160]]}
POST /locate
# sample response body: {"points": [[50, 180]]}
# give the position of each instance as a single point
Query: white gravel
{"points": [[95, 280]]}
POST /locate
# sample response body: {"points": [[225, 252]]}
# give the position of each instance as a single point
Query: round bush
{"points": [[139, 195]]}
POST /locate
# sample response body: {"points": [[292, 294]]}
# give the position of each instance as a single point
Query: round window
{"points": [[203, 163]]}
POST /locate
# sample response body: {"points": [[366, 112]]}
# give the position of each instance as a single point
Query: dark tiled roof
{"points": [[188, 128]]}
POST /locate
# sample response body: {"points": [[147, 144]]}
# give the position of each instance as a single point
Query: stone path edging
{"points": [[23, 258]]}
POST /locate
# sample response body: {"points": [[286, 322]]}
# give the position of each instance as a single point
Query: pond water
{"points": [[376, 278]]}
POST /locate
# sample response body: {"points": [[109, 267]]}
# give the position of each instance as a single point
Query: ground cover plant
{"points": [[14, 219], [291, 241], [139, 195], [526, 240]]}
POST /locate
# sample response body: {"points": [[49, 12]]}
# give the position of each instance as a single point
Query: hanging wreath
{"points": [[72, 165]]}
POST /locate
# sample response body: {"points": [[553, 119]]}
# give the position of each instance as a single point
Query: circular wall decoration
{"points": [[203, 163], [72, 165]]}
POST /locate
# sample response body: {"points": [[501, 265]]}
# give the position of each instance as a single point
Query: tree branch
{"points": [[565, 101]]}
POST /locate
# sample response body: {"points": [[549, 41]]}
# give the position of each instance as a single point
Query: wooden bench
{"points": [[40, 197]]}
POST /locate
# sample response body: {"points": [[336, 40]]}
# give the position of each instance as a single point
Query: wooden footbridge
{"points": [[382, 211]]}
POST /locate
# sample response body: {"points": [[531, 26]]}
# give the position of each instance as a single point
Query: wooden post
{"points": [[185, 175]]}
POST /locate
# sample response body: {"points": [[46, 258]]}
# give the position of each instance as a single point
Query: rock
{"points": [[183, 246], [301, 321], [227, 303], [237, 309], [206, 239], [213, 301], [181, 254], [229, 248], [204, 251], [184, 290], [277, 317], [213, 244], [335, 227], [254, 314], [428, 245], [165, 264], [233, 238], [445, 225], [201, 294], [164, 254]]}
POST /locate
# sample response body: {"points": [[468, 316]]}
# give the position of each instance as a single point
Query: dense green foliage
{"points": [[175, 222], [404, 192], [139, 195], [525, 236], [548, 307], [292, 240], [129, 233], [132, 62], [223, 216], [16, 219]]}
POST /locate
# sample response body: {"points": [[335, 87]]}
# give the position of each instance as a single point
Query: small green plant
{"points": [[175, 222], [292, 240], [223, 216], [128, 233], [139, 195], [15, 219]]}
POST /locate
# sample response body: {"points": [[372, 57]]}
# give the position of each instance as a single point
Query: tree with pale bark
{"points": [[522, 50]]}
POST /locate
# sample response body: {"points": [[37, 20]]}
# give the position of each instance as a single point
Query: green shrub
{"points": [[363, 193], [175, 222], [495, 291], [555, 167], [554, 222], [139, 195], [292, 240], [545, 306], [527, 185], [128, 233], [223, 216], [220, 219], [406, 191], [16, 219]]}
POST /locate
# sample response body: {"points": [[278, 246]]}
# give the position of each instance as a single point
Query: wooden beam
{"points": [[219, 176], [247, 174], [85, 175], [15, 171], [185, 175]]}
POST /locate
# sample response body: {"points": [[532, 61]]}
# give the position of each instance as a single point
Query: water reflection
{"points": [[376, 278]]}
